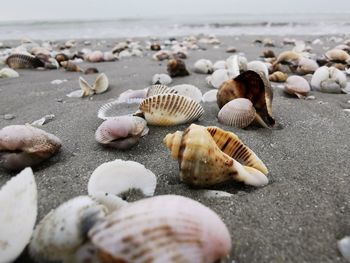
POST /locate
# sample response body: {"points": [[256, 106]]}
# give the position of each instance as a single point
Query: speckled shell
{"points": [[189, 91], [237, 113], [177, 68], [203, 66], [278, 76], [20, 61], [23, 145], [202, 163], [170, 109], [158, 89], [70, 66], [162, 229], [337, 55], [298, 86], [253, 86], [329, 80]]}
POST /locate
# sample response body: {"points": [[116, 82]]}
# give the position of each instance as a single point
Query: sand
{"points": [[297, 217]]}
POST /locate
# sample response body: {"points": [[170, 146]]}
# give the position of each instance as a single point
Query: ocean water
{"points": [[239, 24]]}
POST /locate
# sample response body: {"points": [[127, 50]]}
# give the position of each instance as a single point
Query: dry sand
{"points": [[297, 217]]}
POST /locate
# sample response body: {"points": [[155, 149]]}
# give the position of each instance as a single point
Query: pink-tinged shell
{"points": [[23, 145], [237, 113], [95, 56], [121, 132], [298, 86], [306, 66], [162, 229]]}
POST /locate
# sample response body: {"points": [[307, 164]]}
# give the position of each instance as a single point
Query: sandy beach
{"points": [[297, 217]]}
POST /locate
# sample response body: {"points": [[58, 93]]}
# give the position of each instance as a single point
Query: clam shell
{"points": [[95, 56], [163, 79], [8, 73], [162, 229], [290, 59], [101, 84], [120, 176], [202, 163], [18, 202], [329, 80], [189, 91], [210, 96], [306, 66], [177, 68], [233, 66], [237, 113], [219, 77], [203, 66], [258, 66], [337, 55], [170, 109], [70, 66], [278, 76], [62, 231], [298, 86], [85, 87], [159, 89], [20, 61]]}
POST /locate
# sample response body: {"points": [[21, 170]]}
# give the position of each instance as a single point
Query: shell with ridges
{"points": [[161, 229], [158, 89], [189, 91], [278, 76], [21, 61], [298, 86], [170, 109]]}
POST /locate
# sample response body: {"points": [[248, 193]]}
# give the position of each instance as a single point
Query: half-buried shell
{"points": [[8, 73], [21, 61]]}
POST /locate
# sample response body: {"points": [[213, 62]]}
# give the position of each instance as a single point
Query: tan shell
{"points": [[298, 86], [237, 113], [21, 61], [202, 163], [290, 59], [337, 55], [170, 109], [278, 76], [70, 66]]}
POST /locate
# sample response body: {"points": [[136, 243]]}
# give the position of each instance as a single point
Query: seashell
{"points": [[20, 61], [344, 47], [298, 86], [237, 113], [18, 202], [109, 56], [269, 54], [23, 145], [329, 80], [278, 76], [344, 247], [210, 96], [188, 91], [120, 176], [121, 132], [100, 85], [306, 66], [170, 109], [218, 78], [177, 68], [163, 79], [202, 163], [155, 47], [161, 55], [62, 231], [95, 56], [158, 89], [258, 66], [43, 120], [166, 228], [69, 44], [234, 65], [337, 56], [231, 49], [288, 58], [220, 64], [60, 57], [70, 66], [268, 42], [89, 71], [120, 47], [8, 73], [253, 86], [203, 66]]}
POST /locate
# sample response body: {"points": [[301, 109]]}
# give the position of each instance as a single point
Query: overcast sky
{"points": [[107, 9]]}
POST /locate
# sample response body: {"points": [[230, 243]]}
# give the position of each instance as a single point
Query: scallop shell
{"points": [[120, 176], [253, 86], [8, 73], [20, 61], [298, 86], [218, 78], [329, 80], [210, 96], [160, 229], [162, 79], [203, 66], [159, 89], [306, 66], [177, 68], [237, 113], [258, 66], [70, 66], [170, 109], [62, 231], [278, 76], [121, 132], [202, 163], [337, 55], [189, 91], [18, 202], [23, 145]]}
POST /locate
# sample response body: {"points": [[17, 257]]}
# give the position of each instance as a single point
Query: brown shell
{"points": [[278, 76], [269, 54], [21, 61], [289, 59], [61, 57], [253, 86], [89, 71], [177, 68], [70, 66]]}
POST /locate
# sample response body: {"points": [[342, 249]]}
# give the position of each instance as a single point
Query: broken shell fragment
{"points": [[21, 61], [203, 66], [296, 85], [177, 68]]}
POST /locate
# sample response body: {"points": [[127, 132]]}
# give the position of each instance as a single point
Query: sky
{"points": [[109, 9]]}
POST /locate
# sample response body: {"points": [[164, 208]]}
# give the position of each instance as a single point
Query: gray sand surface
{"points": [[297, 217]]}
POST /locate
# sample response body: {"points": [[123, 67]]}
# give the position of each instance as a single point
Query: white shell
{"points": [[85, 87], [306, 66], [203, 66], [163, 79], [237, 113], [258, 66], [218, 77], [344, 247], [76, 94], [220, 64], [60, 233], [329, 80], [189, 91], [18, 206], [233, 66], [8, 73], [101, 84], [120, 176], [297, 85], [210, 95], [158, 89]]}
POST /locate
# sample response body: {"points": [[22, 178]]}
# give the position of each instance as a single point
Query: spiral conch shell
{"points": [[202, 163], [161, 229]]}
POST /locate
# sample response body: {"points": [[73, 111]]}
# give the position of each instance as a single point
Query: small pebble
{"points": [[9, 116], [310, 97], [231, 50], [59, 100]]}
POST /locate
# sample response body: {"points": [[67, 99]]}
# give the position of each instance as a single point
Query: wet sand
{"points": [[297, 217]]}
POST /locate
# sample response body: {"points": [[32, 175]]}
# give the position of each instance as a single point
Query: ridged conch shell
{"points": [[163, 79], [210, 95], [218, 78], [121, 132], [278, 76], [118, 177], [306, 66], [298, 86], [189, 91], [177, 68], [202, 163], [253, 86], [70, 66], [21, 61], [258, 66], [170, 109], [8, 73], [23, 145], [329, 80], [100, 85], [338, 56], [18, 208], [237, 113], [203, 66], [162, 229], [62, 231]]}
